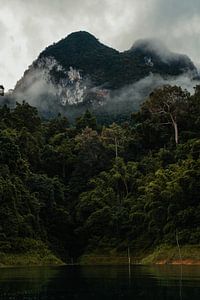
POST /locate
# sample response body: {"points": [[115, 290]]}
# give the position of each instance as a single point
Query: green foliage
{"points": [[88, 188], [87, 120], [25, 115]]}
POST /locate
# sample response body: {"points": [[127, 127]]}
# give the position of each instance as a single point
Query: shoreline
{"points": [[162, 255], [159, 263], [33, 259], [183, 262]]}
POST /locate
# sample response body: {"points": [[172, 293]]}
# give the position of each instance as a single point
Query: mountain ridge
{"points": [[86, 45], [79, 70]]}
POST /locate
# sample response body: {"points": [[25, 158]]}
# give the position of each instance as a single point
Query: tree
{"points": [[171, 102], [87, 120], [57, 125], [91, 159], [114, 138], [26, 115], [5, 116], [29, 148]]}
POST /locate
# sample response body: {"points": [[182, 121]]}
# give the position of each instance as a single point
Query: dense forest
{"points": [[86, 186]]}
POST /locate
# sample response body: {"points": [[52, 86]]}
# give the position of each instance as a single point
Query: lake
{"points": [[73, 282]]}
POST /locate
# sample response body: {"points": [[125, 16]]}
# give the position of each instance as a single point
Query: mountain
{"points": [[79, 72], [163, 61]]}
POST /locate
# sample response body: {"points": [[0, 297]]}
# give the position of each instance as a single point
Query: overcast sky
{"points": [[28, 26]]}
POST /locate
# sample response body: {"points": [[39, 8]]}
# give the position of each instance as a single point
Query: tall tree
{"points": [[86, 120], [171, 102]]}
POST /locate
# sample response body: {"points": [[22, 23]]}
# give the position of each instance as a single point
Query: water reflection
{"points": [[138, 282], [25, 283], [180, 284]]}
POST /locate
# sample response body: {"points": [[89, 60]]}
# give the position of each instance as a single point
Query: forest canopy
{"points": [[85, 186]]}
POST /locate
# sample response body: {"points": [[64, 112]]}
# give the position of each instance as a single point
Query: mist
{"points": [[156, 47], [74, 93], [129, 99]]}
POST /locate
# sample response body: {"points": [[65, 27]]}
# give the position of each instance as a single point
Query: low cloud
{"points": [[129, 98], [72, 94]]}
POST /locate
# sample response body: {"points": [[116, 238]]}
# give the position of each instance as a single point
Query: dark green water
{"points": [[164, 282]]}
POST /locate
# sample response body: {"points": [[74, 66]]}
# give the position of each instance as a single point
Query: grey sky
{"points": [[28, 26]]}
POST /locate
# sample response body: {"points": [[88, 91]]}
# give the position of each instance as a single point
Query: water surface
{"points": [[72, 282]]}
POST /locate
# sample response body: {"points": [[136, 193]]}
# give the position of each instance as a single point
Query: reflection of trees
{"points": [[97, 283], [146, 283], [16, 283], [182, 280], [172, 272]]}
